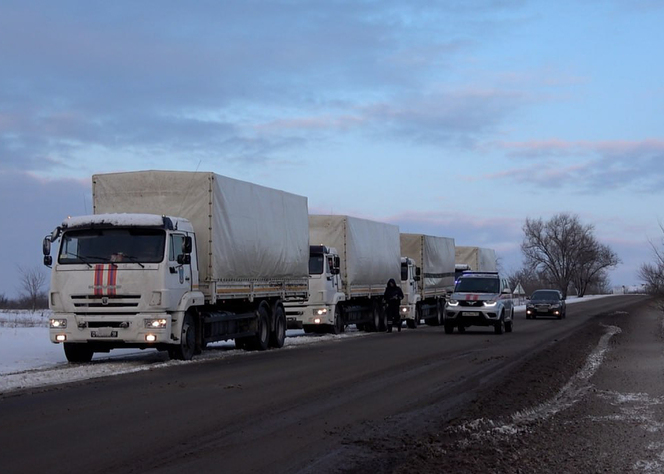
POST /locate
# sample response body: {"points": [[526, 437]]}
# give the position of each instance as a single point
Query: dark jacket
{"points": [[393, 292]]}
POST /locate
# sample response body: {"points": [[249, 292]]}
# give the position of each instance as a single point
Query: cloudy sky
{"points": [[458, 118]]}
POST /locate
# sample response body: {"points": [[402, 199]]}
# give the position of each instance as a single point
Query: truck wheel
{"points": [[241, 342], [278, 336], [78, 353], [185, 350], [338, 326], [436, 320], [261, 340], [449, 328]]}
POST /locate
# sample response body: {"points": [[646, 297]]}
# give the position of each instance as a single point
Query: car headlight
{"points": [[320, 311], [453, 303], [490, 304], [404, 309], [156, 323], [57, 323]]}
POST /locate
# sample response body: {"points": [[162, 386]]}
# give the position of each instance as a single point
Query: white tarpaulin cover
{"points": [[369, 251], [479, 259], [243, 231], [435, 257]]}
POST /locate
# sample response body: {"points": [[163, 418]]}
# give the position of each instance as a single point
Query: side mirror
{"points": [[187, 245], [418, 272], [48, 260], [46, 245], [417, 277], [184, 259]]}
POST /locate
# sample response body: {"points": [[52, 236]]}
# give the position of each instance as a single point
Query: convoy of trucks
{"points": [[176, 260]]}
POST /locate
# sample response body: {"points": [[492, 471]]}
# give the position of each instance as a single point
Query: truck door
{"points": [[178, 278]]}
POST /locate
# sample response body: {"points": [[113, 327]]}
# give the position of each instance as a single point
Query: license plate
{"points": [[471, 313], [104, 333]]}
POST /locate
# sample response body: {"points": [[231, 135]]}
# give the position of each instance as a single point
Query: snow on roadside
{"points": [[29, 359]]}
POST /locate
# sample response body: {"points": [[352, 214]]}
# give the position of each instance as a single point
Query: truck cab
{"points": [[321, 311], [118, 279]]}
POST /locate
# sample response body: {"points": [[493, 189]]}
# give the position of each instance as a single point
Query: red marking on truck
{"points": [[112, 279], [99, 280]]}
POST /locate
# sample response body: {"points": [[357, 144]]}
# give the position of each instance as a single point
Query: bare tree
{"points": [[564, 251], [592, 262], [32, 282]]}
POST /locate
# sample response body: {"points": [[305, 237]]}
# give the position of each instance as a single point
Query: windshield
{"points": [[545, 295], [316, 264], [478, 285], [112, 245]]}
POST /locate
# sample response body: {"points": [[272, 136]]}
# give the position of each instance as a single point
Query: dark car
{"points": [[546, 303]]}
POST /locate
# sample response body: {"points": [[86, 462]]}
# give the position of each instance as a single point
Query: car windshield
{"points": [[478, 285], [128, 245], [316, 264], [545, 295]]}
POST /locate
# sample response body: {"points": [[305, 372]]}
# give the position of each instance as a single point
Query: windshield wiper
{"points": [[133, 259]]}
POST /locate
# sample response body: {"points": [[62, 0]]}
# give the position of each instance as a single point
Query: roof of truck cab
{"points": [[127, 220]]}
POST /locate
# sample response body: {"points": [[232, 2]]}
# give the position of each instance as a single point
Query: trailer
{"points": [[476, 259]]}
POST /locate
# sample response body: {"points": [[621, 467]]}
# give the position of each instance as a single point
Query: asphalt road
{"points": [[329, 407]]}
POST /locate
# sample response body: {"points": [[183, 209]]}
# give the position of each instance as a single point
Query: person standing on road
{"points": [[393, 296]]}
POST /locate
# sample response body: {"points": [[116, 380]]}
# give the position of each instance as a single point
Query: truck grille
{"points": [[105, 302]]}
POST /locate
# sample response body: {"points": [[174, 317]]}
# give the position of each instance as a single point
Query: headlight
{"points": [[490, 304], [320, 311], [404, 309], [58, 323], [453, 303], [155, 323]]}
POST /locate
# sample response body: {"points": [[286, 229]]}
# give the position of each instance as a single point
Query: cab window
{"points": [[176, 245]]}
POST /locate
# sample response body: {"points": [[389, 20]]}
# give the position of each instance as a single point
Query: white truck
{"points": [[351, 261], [427, 277], [176, 260], [475, 259]]}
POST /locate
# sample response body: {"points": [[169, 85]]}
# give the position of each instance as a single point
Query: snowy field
{"points": [[29, 359]]}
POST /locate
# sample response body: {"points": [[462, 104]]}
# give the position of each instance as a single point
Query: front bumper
{"points": [[118, 329], [481, 316], [543, 311], [299, 316]]}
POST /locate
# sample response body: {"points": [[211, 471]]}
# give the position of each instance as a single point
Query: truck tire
{"points": [[437, 320], [187, 346], [78, 353], [338, 326], [261, 340], [278, 335]]}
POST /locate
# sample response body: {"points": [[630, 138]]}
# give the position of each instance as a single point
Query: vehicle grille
{"points": [[105, 302]]}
